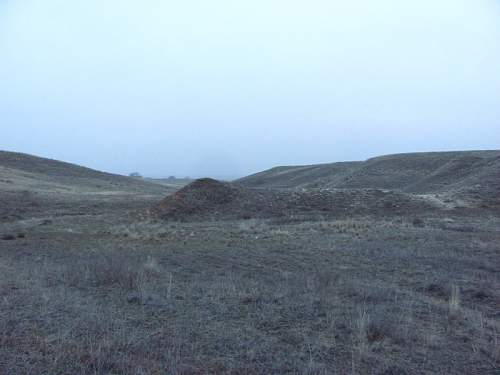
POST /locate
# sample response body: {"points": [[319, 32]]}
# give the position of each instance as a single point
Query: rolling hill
{"points": [[27, 172], [31, 186], [468, 177], [406, 172], [412, 172]]}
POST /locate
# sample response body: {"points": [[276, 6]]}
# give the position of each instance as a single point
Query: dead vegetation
{"points": [[250, 296], [378, 283]]}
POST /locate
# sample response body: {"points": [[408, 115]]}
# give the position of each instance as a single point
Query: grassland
{"points": [[91, 284]]}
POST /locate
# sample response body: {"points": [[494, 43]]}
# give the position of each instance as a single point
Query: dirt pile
{"points": [[208, 199], [200, 196]]}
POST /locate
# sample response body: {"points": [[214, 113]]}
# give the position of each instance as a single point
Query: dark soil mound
{"points": [[199, 196], [208, 199], [208, 191], [205, 198]]}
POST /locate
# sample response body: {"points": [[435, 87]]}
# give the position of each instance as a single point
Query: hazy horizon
{"points": [[228, 89]]}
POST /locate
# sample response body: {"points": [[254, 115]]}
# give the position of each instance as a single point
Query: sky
{"points": [[228, 88]]}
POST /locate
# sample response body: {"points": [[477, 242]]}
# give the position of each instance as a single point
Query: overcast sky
{"points": [[198, 87]]}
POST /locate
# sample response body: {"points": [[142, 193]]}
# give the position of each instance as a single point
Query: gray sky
{"points": [[198, 87]]}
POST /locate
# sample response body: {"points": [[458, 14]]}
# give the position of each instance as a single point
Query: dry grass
{"points": [[357, 296], [454, 303]]}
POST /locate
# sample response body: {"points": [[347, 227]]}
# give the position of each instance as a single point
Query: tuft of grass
{"points": [[418, 222], [109, 270], [151, 266], [361, 325], [379, 328], [454, 303]]}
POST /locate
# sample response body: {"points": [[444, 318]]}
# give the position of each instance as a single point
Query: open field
{"points": [[100, 274]]}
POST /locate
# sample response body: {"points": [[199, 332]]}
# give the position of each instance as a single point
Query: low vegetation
{"points": [[101, 286], [348, 296]]}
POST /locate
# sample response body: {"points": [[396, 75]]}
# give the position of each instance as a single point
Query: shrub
{"points": [[418, 222], [104, 270]]}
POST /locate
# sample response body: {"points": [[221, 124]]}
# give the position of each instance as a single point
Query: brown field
{"points": [[100, 274]]}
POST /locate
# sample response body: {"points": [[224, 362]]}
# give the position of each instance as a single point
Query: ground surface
{"points": [[461, 173], [92, 283]]}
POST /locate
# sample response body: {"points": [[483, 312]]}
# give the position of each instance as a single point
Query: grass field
{"points": [[96, 286]]}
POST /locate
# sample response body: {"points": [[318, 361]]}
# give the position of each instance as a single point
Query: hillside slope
{"points": [[27, 172], [414, 172], [319, 175], [31, 187]]}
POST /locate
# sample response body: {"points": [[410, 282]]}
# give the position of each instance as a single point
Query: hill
{"points": [[31, 186], [472, 175], [320, 175], [397, 171], [27, 172]]}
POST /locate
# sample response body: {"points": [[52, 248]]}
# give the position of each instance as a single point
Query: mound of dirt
{"points": [[205, 198], [208, 199], [199, 196]]}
